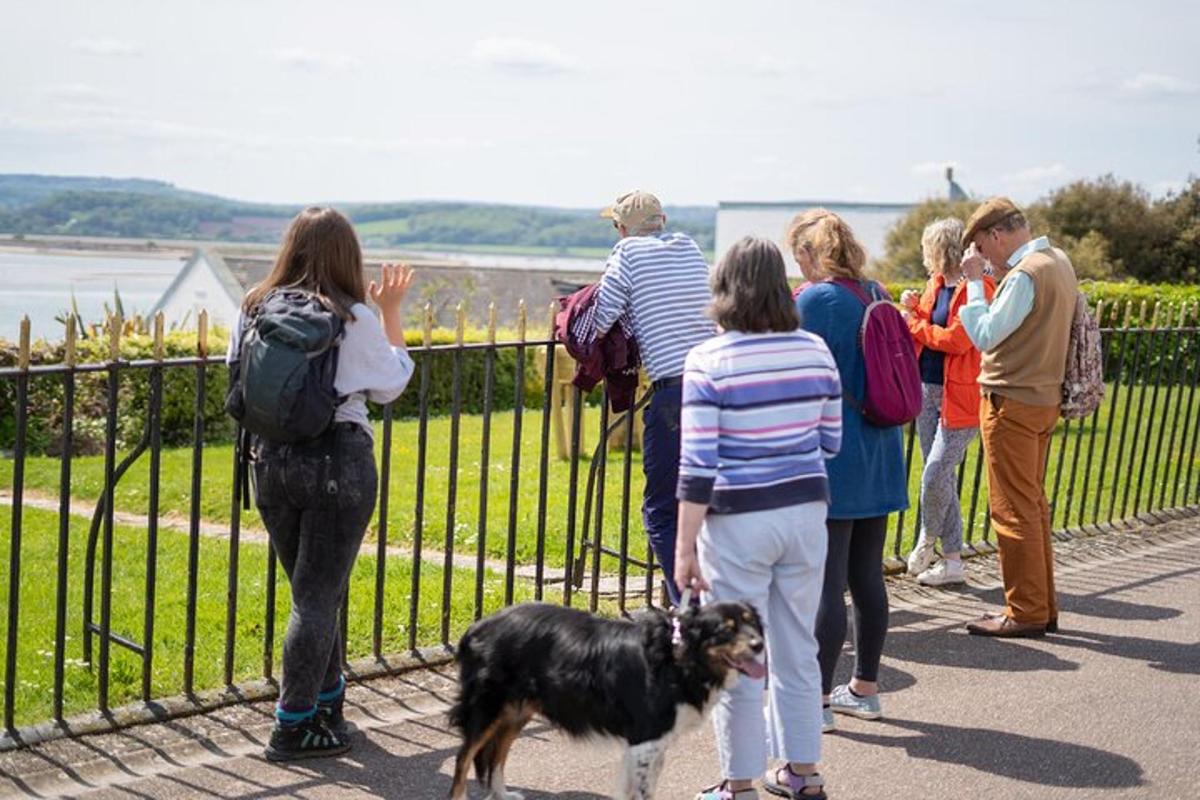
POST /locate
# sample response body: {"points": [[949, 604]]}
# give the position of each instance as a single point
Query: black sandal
{"points": [[788, 786]]}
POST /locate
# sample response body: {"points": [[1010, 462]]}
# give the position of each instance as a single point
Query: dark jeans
{"points": [[660, 463], [854, 559], [316, 500]]}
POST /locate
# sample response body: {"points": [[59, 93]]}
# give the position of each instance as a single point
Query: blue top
{"points": [[866, 479], [933, 362]]}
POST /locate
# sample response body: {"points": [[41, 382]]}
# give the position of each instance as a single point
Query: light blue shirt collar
{"points": [[1033, 246]]}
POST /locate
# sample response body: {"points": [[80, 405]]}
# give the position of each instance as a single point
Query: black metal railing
{"points": [[181, 580]]}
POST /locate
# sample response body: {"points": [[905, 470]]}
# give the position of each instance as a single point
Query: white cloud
{"points": [[769, 65], [100, 123], [522, 56], [106, 47], [78, 93], [1150, 84], [765, 160], [315, 61], [937, 168], [1037, 174]]}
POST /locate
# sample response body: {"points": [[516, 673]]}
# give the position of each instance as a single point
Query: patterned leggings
{"points": [[943, 449]]}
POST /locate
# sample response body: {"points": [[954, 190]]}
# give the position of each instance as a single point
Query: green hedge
{"points": [[45, 419], [1115, 294]]}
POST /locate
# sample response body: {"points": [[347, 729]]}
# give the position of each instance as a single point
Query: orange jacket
{"points": [[960, 395]]}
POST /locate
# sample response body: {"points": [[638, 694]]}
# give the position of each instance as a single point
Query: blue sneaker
{"points": [[828, 723], [843, 701]]}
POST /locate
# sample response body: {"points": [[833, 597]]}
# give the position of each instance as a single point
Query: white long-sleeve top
{"points": [[369, 367]]}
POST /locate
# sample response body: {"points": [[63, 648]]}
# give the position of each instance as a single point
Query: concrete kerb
{"points": [[181, 706]]}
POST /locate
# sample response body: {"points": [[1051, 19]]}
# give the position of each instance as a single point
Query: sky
{"points": [[568, 103]]}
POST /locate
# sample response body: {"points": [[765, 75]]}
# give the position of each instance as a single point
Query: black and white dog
{"points": [[641, 681]]}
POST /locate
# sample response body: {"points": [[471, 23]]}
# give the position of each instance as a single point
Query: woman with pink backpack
{"points": [[866, 480]]}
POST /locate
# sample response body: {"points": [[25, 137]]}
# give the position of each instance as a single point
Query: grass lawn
{"points": [[87, 482], [35, 656], [1123, 465]]}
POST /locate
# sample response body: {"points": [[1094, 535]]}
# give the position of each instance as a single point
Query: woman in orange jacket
{"points": [[949, 417]]}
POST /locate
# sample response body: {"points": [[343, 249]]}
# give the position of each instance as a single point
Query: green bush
{"points": [[46, 392], [1110, 229]]}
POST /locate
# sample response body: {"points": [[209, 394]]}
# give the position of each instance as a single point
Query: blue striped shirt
{"points": [[661, 281], [761, 413]]}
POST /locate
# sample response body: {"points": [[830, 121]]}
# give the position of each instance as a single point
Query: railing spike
{"points": [[202, 334], [23, 356]]}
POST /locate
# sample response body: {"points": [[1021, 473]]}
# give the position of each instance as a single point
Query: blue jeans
{"points": [[660, 464]]}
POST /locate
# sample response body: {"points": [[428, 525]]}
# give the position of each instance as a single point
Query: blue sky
{"points": [[565, 103]]}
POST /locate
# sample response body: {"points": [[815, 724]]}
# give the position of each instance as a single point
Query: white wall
{"points": [[199, 290], [735, 220]]}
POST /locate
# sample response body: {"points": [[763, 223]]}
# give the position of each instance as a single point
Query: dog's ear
{"points": [[751, 616]]}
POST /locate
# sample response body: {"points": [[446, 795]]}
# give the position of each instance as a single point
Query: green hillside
{"points": [[137, 208]]}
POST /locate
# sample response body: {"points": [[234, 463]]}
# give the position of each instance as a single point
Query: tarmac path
{"points": [[1108, 708]]}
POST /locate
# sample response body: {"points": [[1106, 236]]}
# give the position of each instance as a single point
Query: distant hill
{"points": [[136, 208]]}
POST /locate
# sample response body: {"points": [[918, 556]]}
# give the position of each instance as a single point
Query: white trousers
{"points": [[774, 560]]}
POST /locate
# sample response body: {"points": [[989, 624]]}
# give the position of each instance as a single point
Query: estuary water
{"points": [[40, 285]]}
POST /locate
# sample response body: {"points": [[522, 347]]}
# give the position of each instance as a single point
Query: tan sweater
{"points": [[1028, 365]]}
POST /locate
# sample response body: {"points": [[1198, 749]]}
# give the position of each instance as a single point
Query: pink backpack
{"points": [[893, 380]]}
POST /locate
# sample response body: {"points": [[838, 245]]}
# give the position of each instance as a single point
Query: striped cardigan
{"points": [[761, 413]]}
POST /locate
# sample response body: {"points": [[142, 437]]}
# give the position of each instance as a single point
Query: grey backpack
{"points": [[281, 387]]}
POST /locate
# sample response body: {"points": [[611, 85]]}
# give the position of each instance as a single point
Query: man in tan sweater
{"points": [[1023, 335]]}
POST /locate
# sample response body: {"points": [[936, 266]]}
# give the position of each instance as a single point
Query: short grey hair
{"points": [[941, 243], [1012, 222], [652, 225]]}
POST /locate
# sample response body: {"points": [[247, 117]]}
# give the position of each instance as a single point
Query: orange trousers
{"points": [[1016, 438]]}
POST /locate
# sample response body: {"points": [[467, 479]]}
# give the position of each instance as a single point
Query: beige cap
{"points": [[633, 209], [990, 212]]}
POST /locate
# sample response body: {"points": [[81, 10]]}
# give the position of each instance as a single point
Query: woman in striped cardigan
{"points": [[761, 413]]}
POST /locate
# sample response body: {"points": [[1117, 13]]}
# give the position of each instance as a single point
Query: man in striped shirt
{"points": [[660, 280]]}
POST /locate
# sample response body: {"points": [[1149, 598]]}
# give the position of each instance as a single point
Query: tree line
{"points": [[1112, 229]]}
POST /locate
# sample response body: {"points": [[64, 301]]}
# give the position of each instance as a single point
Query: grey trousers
{"points": [[316, 500], [943, 450]]}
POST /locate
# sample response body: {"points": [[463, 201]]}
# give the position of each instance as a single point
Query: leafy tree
{"points": [[1180, 214], [1121, 213], [902, 247]]}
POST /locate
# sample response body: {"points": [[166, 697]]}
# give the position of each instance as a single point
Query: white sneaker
{"points": [[921, 558], [946, 572]]}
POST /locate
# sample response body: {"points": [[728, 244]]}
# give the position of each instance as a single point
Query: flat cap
{"points": [[990, 212]]}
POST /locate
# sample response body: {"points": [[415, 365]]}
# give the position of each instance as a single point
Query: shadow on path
{"points": [[367, 768], [954, 647], [1010, 755]]}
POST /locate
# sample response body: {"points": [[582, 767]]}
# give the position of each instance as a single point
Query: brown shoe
{"points": [[1052, 625], [1005, 627]]}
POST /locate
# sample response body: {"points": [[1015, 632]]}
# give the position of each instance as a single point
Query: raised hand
{"points": [[393, 284], [973, 264]]}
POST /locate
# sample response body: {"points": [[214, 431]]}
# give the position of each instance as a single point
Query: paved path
{"points": [[1110, 708]]}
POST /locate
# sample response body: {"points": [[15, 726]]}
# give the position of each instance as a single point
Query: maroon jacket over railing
{"points": [[613, 357]]}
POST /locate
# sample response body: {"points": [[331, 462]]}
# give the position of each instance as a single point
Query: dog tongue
{"points": [[752, 668]]}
